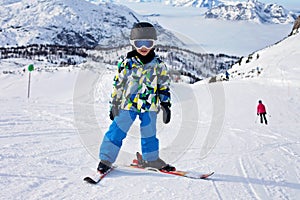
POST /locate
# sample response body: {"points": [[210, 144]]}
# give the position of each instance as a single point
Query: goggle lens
{"points": [[146, 43]]}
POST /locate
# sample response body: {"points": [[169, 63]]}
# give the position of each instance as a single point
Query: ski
{"points": [[187, 174], [97, 177]]}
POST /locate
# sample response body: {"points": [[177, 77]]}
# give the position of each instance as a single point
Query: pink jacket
{"points": [[261, 108]]}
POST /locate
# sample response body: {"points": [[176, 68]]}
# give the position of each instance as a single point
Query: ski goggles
{"points": [[147, 43]]}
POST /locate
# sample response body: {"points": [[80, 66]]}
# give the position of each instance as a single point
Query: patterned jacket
{"points": [[140, 87]]}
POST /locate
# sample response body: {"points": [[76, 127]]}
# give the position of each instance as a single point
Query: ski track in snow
{"points": [[256, 171], [35, 145], [249, 186]]}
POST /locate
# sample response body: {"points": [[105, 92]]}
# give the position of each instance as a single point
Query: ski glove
{"points": [[166, 112], [114, 111]]}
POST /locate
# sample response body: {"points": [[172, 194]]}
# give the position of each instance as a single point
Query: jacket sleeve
{"points": [[164, 84], [118, 84]]}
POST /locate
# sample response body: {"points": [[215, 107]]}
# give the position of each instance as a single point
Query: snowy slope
{"points": [[272, 65], [50, 142]]}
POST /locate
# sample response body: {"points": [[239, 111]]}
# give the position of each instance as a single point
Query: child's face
{"points": [[143, 51], [143, 46]]}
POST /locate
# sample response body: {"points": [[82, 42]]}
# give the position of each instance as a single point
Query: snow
{"points": [[50, 141]]}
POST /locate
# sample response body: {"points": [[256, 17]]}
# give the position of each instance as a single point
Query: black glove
{"points": [[166, 112], [114, 111]]}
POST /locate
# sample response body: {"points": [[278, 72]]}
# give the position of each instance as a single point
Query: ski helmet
{"points": [[143, 30]]}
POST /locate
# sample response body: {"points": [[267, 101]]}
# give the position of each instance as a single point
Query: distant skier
{"points": [[261, 111], [140, 85], [258, 70], [227, 75]]}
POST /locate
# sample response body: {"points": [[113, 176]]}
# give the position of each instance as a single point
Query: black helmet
{"points": [[143, 30], [260, 101]]}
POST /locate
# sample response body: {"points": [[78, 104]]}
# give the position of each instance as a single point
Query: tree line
{"points": [[52, 53], [197, 66]]}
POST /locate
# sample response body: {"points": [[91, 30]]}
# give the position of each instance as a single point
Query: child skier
{"points": [[261, 110], [141, 83]]}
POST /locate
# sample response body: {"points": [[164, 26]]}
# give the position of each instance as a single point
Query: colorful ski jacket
{"points": [[140, 86], [261, 108]]}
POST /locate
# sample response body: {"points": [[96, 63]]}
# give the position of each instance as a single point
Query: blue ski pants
{"points": [[112, 141]]}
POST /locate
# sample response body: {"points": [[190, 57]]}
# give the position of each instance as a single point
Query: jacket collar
{"points": [[144, 59]]}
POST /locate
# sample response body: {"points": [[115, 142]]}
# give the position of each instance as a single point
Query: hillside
{"points": [[269, 64], [69, 22]]}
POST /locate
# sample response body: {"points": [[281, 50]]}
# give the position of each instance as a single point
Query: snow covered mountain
{"points": [[252, 10], [68, 22], [209, 3], [247, 10], [194, 3], [40, 30]]}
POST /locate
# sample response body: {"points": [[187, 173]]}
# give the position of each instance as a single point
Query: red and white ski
{"points": [[188, 174], [97, 177]]}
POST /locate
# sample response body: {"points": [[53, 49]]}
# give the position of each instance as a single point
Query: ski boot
{"points": [[157, 164], [104, 166]]}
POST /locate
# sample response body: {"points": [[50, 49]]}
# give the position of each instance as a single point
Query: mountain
{"points": [[252, 10], [59, 32], [194, 3], [209, 3], [69, 22]]}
